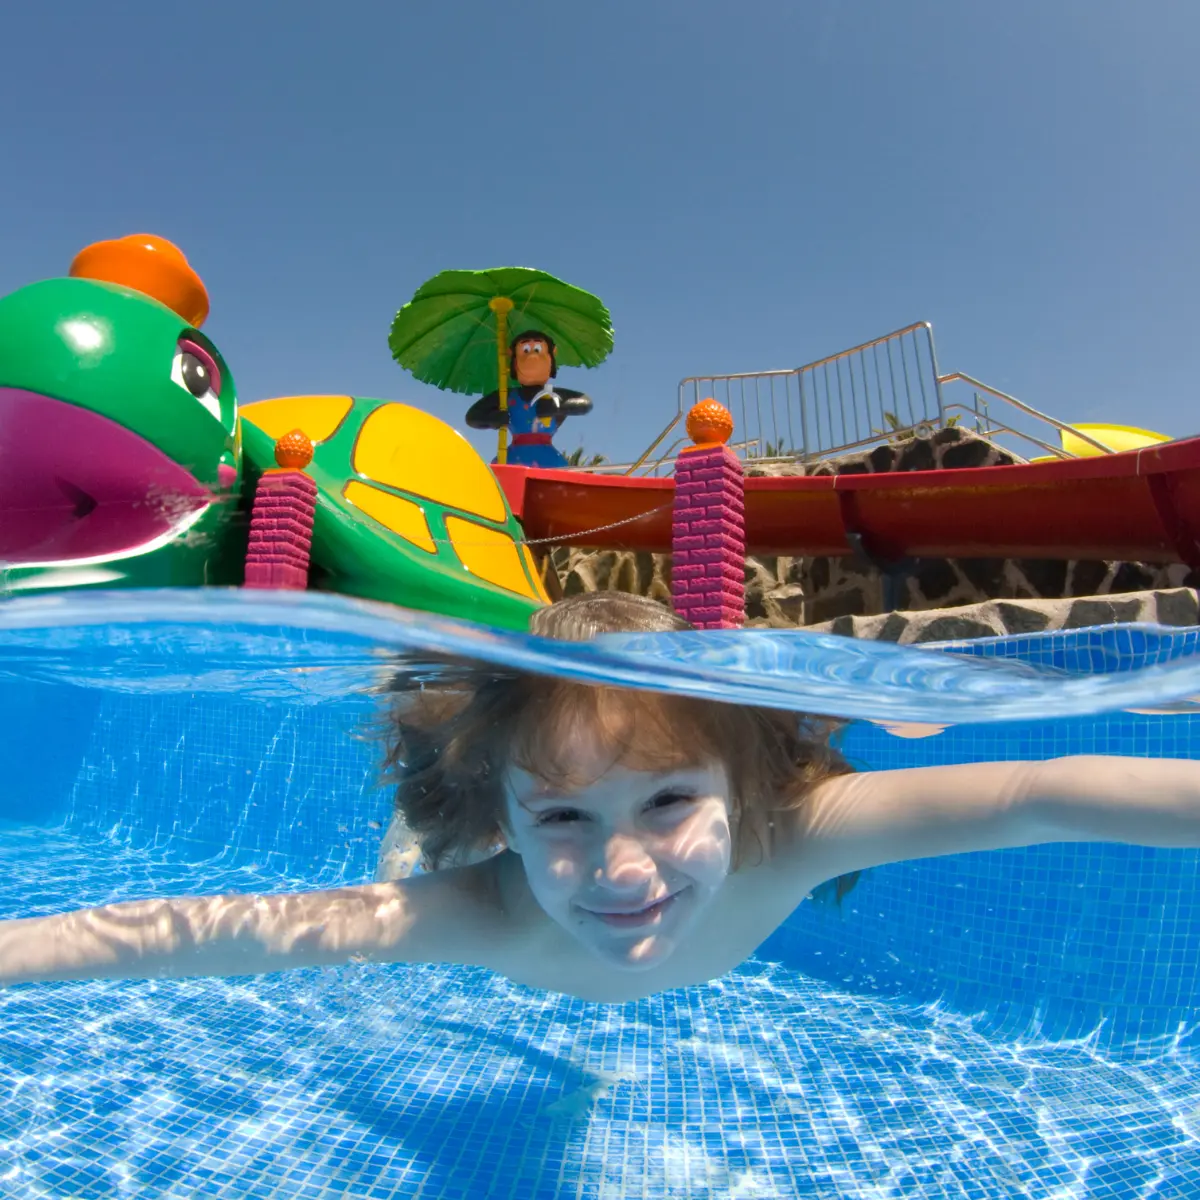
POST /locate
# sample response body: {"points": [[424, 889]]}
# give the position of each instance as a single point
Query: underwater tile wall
{"points": [[291, 786], [1100, 649]]}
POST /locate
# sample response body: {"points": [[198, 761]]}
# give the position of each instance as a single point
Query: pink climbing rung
{"points": [[708, 538], [281, 523]]}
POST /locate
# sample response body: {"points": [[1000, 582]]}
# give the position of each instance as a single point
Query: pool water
{"points": [[993, 1025]]}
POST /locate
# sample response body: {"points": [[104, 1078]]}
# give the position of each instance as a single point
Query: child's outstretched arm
{"points": [[446, 916], [852, 822]]}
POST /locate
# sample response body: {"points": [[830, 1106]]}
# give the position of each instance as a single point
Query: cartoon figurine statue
{"points": [[468, 331], [535, 409]]}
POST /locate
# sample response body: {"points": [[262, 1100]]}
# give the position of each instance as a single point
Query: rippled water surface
{"points": [[316, 647]]}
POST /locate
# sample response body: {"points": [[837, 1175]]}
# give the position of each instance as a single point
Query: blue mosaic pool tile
{"points": [[294, 786], [1098, 650]]}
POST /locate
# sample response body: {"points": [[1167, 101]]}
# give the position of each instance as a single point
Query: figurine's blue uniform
{"points": [[532, 442]]}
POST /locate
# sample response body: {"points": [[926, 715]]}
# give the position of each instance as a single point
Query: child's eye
{"points": [[670, 797], [559, 816]]}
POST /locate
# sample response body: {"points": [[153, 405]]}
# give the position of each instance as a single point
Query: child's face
{"points": [[628, 863]]}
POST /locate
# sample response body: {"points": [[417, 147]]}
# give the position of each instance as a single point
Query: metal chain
{"points": [[599, 528], [553, 541]]}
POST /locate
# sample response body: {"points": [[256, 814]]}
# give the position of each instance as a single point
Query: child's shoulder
{"points": [[460, 915]]}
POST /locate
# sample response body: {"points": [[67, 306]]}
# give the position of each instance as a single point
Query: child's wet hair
{"points": [[453, 732]]}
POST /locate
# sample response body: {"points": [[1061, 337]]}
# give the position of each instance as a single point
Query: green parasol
{"points": [[455, 332]]}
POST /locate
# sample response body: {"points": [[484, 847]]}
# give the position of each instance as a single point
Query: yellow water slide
{"points": [[1115, 437]]}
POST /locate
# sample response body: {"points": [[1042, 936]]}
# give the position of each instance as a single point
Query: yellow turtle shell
{"points": [[407, 511]]}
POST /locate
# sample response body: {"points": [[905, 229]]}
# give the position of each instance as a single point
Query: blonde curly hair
{"points": [[453, 731]]}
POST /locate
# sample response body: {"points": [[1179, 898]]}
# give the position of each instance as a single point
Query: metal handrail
{"points": [[814, 451], [1028, 409], [667, 454], [876, 438], [654, 444], [993, 427], [828, 416], [812, 366]]}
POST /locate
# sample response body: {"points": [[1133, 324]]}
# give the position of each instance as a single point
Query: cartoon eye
{"points": [[195, 369]]}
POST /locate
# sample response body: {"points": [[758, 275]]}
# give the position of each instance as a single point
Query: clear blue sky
{"points": [[747, 185]]}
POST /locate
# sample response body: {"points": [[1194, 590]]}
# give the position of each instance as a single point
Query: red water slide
{"points": [[1140, 506]]}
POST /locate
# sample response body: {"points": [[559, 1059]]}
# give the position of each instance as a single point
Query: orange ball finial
{"points": [[294, 450], [709, 423], [150, 265]]}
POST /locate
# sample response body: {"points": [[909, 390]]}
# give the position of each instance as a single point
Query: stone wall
{"points": [[636, 571], [839, 587], [995, 618]]}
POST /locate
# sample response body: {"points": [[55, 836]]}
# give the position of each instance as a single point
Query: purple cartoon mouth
{"points": [[74, 484]]}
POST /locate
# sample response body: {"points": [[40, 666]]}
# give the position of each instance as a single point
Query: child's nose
{"points": [[626, 862]]}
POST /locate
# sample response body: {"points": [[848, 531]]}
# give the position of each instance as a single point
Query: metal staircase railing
{"points": [[848, 399], [886, 389]]}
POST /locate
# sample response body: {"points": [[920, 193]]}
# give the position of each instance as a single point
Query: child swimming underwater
{"points": [[648, 841]]}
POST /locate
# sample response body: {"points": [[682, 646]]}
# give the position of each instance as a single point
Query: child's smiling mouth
{"points": [[631, 918]]}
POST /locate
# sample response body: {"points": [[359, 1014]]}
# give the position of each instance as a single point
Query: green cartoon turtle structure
{"points": [[127, 461]]}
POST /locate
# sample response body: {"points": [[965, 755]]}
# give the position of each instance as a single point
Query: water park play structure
{"points": [[131, 463]]}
